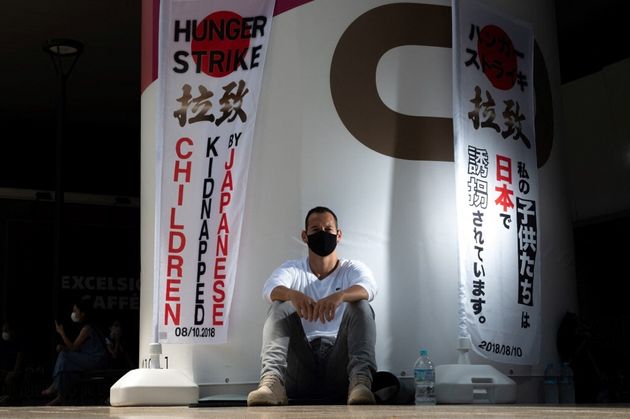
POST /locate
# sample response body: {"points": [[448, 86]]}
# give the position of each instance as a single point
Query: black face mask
{"points": [[322, 243]]}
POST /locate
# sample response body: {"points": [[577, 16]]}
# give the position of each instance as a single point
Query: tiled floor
{"points": [[306, 412]]}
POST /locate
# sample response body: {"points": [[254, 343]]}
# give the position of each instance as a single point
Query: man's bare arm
{"points": [[303, 304], [325, 308]]}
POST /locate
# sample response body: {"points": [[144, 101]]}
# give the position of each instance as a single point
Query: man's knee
{"points": [[360, 308], [280, 310]]}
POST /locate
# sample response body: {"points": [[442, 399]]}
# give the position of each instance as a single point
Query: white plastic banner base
{"points": [[154, 387], [465, 384]]}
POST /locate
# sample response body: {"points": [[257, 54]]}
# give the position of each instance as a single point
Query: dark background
{"points": [[102, 176]]}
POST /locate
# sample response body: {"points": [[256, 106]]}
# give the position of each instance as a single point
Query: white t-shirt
{"points": [[297, 275]]}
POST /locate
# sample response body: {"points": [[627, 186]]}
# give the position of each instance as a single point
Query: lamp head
{"points": [[64, 54], [63, 47]]}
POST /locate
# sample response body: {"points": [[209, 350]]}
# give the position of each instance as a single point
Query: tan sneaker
{"points": [[270, 392], [359, 391]]}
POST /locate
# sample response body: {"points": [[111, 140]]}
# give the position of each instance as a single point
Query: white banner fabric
{"points": [[210, 70], [496, 184]]}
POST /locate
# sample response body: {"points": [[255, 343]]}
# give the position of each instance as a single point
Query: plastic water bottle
{"points": [[567, 388], [424, 377], [551, 392]]}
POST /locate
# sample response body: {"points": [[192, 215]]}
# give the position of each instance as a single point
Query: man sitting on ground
{"points": [[319, 335]]}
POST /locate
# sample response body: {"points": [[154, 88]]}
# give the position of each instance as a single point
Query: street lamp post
{"points": [[64, 54]]}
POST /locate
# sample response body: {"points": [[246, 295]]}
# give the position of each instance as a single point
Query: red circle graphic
{"points": [[220, 39], [497, 57]]}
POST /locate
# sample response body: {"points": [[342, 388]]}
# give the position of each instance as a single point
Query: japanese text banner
{"points": [[210, 72], [496, 184]]}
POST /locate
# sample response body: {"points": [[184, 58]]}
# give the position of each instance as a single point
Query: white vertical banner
{"points": [[496, 183], [210, 70]]}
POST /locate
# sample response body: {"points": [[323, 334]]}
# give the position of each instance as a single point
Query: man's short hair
{"points": [[319, 210]]}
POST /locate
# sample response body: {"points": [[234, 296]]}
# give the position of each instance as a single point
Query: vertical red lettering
{"points": [[179, 146], [219, 267], [179, 170], [174, 247], [217, 314], [230, 163], [172, 289], [169, 314], [226, 197], [223, 225], [172, 224], [222, 244], [174, 263]]}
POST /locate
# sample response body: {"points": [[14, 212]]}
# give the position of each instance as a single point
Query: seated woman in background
{"points": [[11, 368], [120, 359], [86, 352]]}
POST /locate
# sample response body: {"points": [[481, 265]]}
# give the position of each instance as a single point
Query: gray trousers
{"points": [[320, 369]]}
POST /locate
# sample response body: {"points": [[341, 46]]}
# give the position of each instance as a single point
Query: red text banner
{"points": [[210, 72], [496, 184]]}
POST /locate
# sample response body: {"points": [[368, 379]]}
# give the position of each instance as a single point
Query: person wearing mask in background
{"points": [[119, 358], [86, 352], [11, 363], [319, 335]]}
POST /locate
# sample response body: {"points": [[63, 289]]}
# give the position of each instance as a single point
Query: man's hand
{"points": [[303, 304], [322, 310], [326, 307]]}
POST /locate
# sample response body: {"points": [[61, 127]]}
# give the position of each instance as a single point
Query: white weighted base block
{"points": [[461, 383], [154, 387]]}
